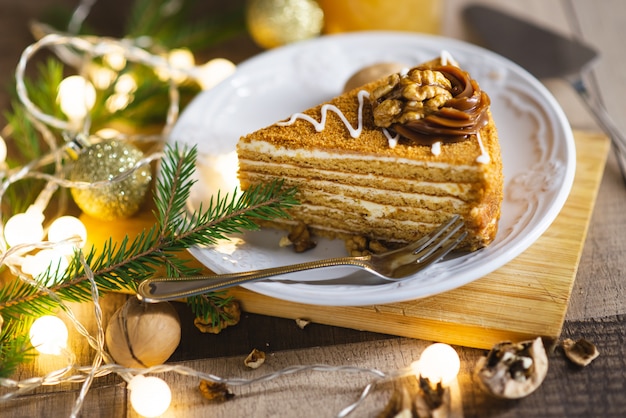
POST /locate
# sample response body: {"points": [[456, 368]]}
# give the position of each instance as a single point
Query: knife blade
{"points": [[544, 53]]}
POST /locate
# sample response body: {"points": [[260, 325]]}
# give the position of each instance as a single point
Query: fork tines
{"points": [[436, 245]]}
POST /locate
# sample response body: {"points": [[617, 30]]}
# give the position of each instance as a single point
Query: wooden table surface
{"points": [[597, 309]]}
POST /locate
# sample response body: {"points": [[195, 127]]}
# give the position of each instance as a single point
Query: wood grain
{"points": [[527, 297]]}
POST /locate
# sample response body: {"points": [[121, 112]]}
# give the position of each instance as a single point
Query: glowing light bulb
{"points": [[125, 84], [76, 96], [149, 396], [213, 72], [117, 101], [178, 58], [438, 363], [100, 76], [65, 227], [48, 335], [24, 228], [108, 133], [53, 259], [116, 60], [3, 150], [181, 58]]}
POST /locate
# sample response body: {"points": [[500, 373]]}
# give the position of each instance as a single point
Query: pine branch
{"points": [[15, 347], [120, 266], [237, 213], [176, 173]]}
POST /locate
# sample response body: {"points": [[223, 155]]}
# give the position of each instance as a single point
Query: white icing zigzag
{"points": [[319, 126]]}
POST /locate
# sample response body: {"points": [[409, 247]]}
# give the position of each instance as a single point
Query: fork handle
{"points": [[161, 289]]}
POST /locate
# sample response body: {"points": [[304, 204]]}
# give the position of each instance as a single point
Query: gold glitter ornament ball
{"points": [[103, 162], [273, 23]]}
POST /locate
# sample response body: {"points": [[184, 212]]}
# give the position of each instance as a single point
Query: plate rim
{"points": [[273, 289]]}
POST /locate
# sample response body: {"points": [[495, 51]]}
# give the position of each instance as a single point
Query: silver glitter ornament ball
{"points": [[103, 162]]}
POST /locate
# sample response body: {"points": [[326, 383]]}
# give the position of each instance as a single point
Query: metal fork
{"points": [[393, 265]]}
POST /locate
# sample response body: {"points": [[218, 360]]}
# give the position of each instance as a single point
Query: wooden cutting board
{"points": [[526, 298]]}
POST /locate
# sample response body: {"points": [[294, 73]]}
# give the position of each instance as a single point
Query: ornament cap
{"points": [[76, 144]]}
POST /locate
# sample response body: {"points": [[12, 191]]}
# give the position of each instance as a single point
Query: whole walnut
{"points": [[141, 335]]}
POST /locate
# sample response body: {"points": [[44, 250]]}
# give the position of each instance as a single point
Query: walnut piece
{"points": [[302, 323], [411, 97], [300, 237], [434, 399], [359, 245], [255, 359], [399, 405], [581, 352], [232, 311], [214, 391], [425, 401], [513, 370]]}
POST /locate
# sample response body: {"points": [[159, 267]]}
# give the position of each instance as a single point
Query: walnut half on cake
{"points": [[390, 160]]}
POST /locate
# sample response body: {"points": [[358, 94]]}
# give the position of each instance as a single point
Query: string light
{"points": [[438, 363], [48, 335], [115, 60], [54, 259], [178, 59], [24, 228], [101, 77], [76, 97], [65, 227], [213, 72], [149, 396], [3, 150]]}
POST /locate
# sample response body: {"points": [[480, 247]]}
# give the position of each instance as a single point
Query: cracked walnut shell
{"points": [[215, 391], [580, 352], [255, 359], [513, 370]]}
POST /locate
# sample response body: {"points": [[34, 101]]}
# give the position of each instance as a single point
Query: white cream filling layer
{"points": [[269, 149], [451, 189], [348, 195]]}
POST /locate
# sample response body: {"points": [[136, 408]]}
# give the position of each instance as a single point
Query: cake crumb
{"points": [[580, 352], [301, 238], [215, 391], [255, 359], [302, 323], [284, 242], [360, 245]]}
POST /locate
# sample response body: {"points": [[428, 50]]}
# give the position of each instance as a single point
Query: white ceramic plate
{"points": [[537, 146]]}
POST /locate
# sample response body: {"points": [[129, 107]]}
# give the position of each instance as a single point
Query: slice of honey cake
{"points": [[388, 161]]}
